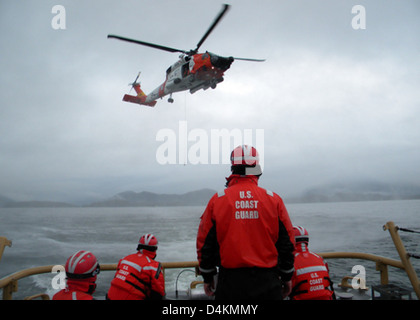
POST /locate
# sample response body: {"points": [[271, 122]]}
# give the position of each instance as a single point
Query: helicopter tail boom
{"points": [[140, 98]]}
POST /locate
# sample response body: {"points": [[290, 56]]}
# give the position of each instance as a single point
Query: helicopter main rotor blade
{"points": [[248, 59], [215, 22], [148, 44]]}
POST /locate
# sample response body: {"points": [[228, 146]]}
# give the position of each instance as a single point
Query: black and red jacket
{"points": [[245, 226]]}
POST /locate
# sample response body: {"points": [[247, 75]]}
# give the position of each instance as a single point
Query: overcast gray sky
{"points": [[335, 103]]}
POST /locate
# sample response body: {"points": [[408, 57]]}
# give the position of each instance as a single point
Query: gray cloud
{"points": [[334, 102]]}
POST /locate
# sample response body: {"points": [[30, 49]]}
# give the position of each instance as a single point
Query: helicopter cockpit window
{"points": [[214, 58], [204, 56], [185, 69]]}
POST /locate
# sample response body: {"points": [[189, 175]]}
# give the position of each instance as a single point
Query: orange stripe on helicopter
{"points": [[140, 92]]}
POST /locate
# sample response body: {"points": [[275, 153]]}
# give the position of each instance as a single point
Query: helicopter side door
{"points": [[201, 62], [185, 69]]}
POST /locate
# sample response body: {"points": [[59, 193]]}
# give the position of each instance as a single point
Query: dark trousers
{"points": [[248, 283]]}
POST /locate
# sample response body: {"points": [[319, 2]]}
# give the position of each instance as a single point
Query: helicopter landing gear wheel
{"points": [[213, 84], [170, 100]]}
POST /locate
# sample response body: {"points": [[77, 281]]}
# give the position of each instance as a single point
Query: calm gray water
{"points": [[49, 236]]}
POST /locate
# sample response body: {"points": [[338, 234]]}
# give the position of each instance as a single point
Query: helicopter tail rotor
{"points": [[134, 83], [141, 97]]}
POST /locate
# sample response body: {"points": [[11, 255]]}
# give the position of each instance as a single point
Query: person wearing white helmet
{"points": [[246, 236], [139, 276]]}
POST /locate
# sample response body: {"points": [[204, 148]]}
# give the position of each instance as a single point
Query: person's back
{"points": [[258, 218], [246, 232], [138, 275], [72, 292], [311, 279]]}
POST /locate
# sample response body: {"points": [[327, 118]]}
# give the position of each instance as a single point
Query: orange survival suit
{"points": [[138, 277], [311, 280]]}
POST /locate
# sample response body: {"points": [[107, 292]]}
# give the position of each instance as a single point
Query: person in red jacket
{"points": [[81, 271], [138, 275], [311, 280], [245, 232]]}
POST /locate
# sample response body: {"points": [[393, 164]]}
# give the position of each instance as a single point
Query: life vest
{"points": [[138, 277], [311, 279], [253, 229]]}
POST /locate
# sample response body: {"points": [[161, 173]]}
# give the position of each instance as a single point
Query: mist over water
{"points": [[44, 236]]}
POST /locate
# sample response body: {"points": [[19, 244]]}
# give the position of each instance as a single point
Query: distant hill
{"points": [[334, 192], [123, 199], [359, 191], [37, 204], [4, 201], [150, 199]]}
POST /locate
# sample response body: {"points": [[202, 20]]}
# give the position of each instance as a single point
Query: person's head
{"points": [[245, 160], [149, 243], [301, 237], [82, 269]]}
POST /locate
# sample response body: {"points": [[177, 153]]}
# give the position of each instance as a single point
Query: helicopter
{"points": [[193, 71]]}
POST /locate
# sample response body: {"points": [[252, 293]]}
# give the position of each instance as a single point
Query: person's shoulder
{"points": [[218, 195], [316, 256], [270, 193], [59, 295], [131, 257], [83, 296]]}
